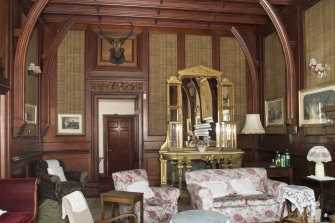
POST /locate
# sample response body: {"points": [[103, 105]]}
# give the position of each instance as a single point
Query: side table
{"points": [[297, 197], [123, 197], [319, 186]]}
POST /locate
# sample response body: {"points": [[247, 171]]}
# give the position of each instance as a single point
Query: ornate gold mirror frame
{"points": [[222, 124]]}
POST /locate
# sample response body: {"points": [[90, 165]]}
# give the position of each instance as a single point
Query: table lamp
{"points": [[319, 154], [253, 126]]}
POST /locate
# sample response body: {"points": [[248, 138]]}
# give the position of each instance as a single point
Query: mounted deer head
{"points": [[116, 52]]}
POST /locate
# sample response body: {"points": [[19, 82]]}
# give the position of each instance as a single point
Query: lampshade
{"points": [[319, 154], [253, 125]]}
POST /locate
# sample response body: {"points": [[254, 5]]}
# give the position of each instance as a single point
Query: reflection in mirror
{"points": [[200, 110], [173, 96]]}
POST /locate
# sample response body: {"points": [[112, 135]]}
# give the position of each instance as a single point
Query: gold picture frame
{"points": [[274, 112], [311, 102]]}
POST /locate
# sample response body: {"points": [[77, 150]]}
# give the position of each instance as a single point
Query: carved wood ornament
{"points": [[109, 87]]}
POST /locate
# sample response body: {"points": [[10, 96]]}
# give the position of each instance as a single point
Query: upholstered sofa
{"points": [[18, 199], [262, 207]]}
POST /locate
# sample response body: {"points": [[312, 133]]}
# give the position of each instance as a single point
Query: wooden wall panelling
{"points": [[23, 166], [50, 58], [99, 72], [4, 48], [152, 165], [252, 67], [72, 160], [19, 61], [291, 95]]}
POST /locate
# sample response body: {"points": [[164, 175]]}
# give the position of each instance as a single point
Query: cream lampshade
{"points": [[319, 154], [253, 125]]}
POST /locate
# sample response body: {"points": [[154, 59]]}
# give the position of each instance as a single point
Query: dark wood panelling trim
{"points": [[291, 94], [252, 67], [180, 51], [67, 146], [20, 59], [152, 23], [216, 51], [48, 69]]}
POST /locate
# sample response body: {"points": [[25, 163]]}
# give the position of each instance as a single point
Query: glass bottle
{"points": [[283, 161], [287, 158], [278, 160]]}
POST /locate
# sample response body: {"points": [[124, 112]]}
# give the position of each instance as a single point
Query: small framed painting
{"points": [[274, 112], [30, 113], [70, 124]]}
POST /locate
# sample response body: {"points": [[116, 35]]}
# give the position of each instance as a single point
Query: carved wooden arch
{"points": [[49, 62], [20, 59], [253, 71], [289, 61]]}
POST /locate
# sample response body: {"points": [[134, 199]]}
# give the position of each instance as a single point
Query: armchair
{"points": [[51, 186], [19, 199], [80, 211], [159, 208]]}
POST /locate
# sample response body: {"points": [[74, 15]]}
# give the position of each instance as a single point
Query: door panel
{"points": [[120, 144]]}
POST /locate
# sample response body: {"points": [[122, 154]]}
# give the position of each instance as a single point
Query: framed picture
{"points": [[274, 112], [30, 113], [69, 124], [311, 102]]}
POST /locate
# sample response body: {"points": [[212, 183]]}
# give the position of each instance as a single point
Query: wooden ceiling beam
{"points": [[151, 22], [210, 6], [80, 10]]}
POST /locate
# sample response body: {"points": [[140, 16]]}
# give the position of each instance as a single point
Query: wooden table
{"points": [[123, 197], [319, 187]]}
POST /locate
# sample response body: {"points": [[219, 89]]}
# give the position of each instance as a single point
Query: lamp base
{"points": [[319, 169]]}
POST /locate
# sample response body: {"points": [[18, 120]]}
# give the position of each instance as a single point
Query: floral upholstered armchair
{"points": [[54, 185], [163, 201], [243, 194]]}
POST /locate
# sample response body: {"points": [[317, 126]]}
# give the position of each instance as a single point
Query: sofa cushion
{"points": [[244, 186], [217, 188], [141, 187], [229, 201]]}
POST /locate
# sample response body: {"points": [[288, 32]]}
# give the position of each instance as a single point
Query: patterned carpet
{"points": [[51, 211]]}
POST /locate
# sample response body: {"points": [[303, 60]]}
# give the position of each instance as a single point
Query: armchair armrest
{"points": [[271, 187], [201, 197], [76, 175], [166, 193], [49, 178]]}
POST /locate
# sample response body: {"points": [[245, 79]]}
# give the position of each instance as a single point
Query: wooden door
{"points": [[119, 153]]}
